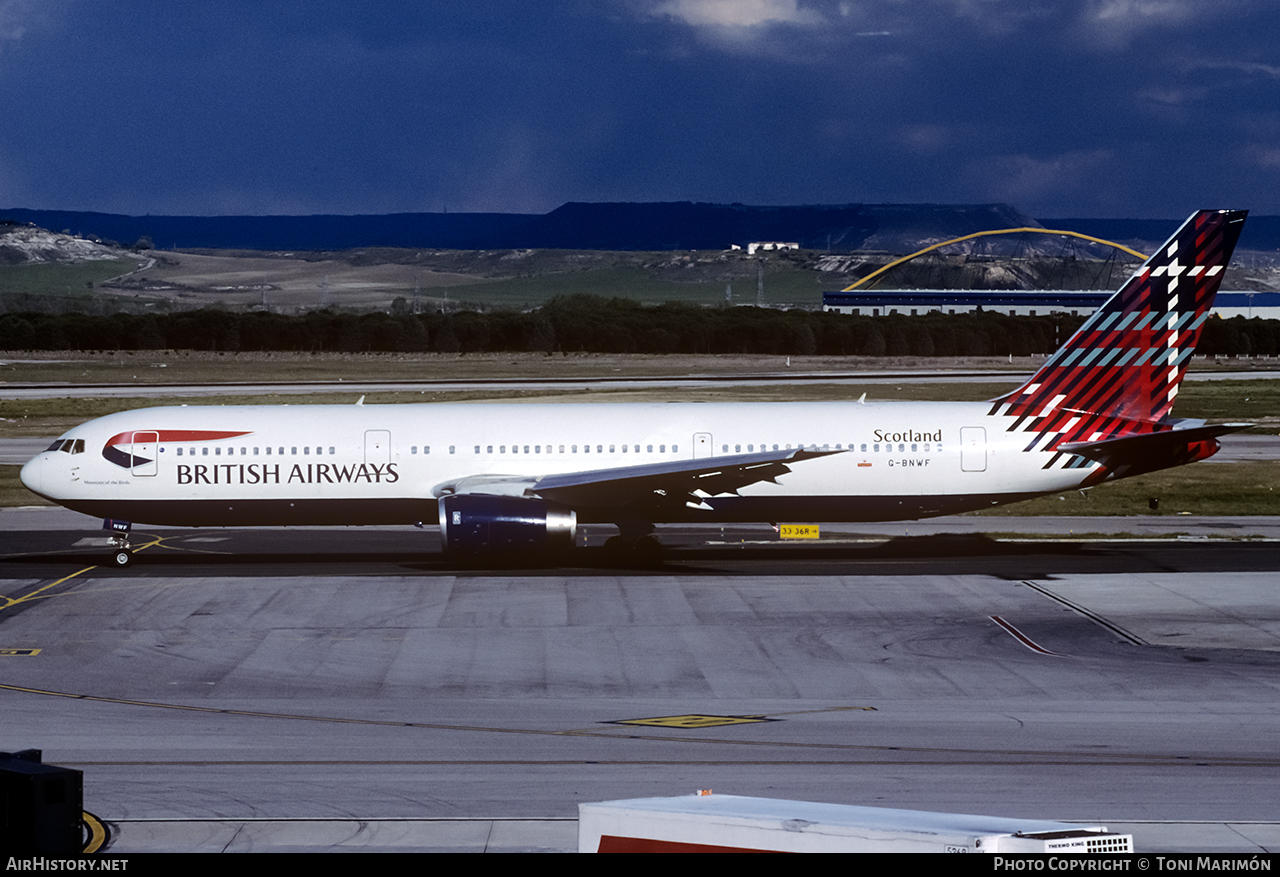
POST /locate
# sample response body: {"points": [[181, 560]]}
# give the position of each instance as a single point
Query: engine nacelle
{"points": [[477, 524]]}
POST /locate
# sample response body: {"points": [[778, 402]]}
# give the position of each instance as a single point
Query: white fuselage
{"points": [[367, 464]]}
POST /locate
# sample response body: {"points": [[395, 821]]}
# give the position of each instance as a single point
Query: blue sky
{"points": [[1148, 108]]}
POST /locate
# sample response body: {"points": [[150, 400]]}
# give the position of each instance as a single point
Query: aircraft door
{"points": [[702, 445], [973, 449], [146, 447], [377, 446]]}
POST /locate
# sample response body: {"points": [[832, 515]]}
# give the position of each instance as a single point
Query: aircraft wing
{"points": [[684, 481]]}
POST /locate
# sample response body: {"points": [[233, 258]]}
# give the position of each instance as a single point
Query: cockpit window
{"points": [[70, 446]]}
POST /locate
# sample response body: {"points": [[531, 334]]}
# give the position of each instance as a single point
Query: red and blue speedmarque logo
{"points": [[138, 447]]}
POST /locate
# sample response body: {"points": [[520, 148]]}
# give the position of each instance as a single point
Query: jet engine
{"points": [[479, 524]]}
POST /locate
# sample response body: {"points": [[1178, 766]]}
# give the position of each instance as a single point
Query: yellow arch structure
{"points": [[982, 234]]}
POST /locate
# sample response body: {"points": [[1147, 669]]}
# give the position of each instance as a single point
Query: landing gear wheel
{"points": [[615, 550], [648, 551], [643, 552], [122, 557]]}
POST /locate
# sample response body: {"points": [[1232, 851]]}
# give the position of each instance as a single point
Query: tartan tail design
{"points": [[1119, 374]]}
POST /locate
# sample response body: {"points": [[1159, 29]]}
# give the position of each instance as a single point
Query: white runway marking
{"points": [[1023, 638]]}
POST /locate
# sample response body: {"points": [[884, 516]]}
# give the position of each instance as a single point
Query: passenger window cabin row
{"points": [[76, 446], [875, 448], [244, 451], [551, 449]]}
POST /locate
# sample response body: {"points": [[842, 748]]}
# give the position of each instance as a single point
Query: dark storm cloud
{"points": [[1095, 107]]}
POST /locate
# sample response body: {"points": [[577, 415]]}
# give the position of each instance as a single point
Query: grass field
{"points": [[1205, 489], [190, 366], [358, 280], [1254, 401], [32, 287], [13, 493], [785, 285], [51, 417], [48, 278], [185, 366]]}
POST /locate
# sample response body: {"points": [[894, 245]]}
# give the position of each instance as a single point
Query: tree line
{"points": [[591, 324]]}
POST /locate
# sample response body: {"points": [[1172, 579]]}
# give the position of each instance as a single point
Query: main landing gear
{"points": [[635, 545]]}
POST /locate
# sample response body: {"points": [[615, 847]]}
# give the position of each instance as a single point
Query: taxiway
{"points": [[354, 689]]}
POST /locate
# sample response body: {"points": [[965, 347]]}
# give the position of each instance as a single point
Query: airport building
{"points": [[1019, 303], [1265, 305], [917, 289]]}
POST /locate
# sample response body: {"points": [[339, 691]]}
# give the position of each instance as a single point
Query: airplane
{"points": [[502, 478]]}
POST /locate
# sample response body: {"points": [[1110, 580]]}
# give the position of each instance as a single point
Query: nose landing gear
{"points": [[121, 553], [121, 556]]}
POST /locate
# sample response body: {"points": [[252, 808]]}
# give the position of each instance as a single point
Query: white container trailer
{"points": [[729, 823]]}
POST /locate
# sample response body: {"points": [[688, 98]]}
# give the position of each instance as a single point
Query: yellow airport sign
{"points": [[798, 531]]}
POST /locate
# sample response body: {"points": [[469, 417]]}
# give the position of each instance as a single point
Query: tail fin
{"points": [[1126, 362]]}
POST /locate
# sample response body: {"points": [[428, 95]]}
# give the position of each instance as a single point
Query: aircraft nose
{"points": [[32, 474]]}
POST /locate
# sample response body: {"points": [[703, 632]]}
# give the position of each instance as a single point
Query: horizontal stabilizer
{"points": [[1131, 455], [1156, 443]]}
